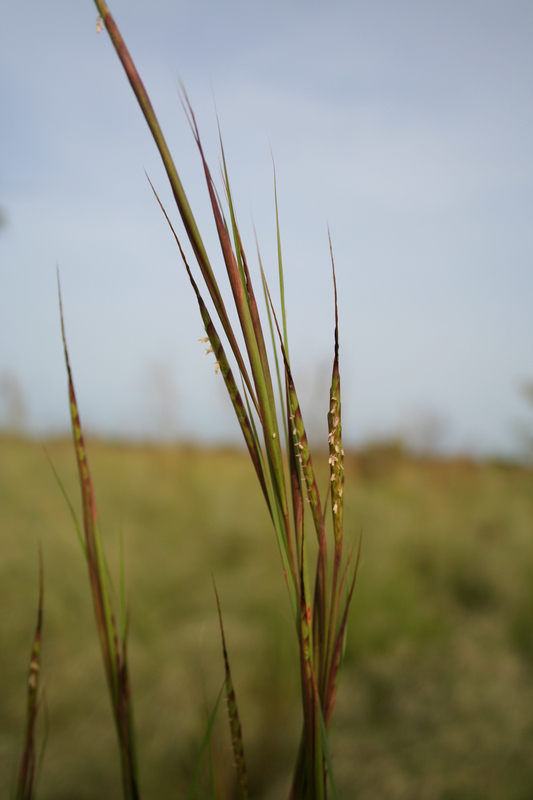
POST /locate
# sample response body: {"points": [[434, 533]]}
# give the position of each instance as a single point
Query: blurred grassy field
{"points": [[436, 700]]}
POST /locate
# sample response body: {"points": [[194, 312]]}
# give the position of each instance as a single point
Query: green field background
{"points": [[436, 697]]}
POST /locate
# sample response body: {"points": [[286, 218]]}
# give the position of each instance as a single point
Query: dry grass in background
{"points": [[436, 698]]}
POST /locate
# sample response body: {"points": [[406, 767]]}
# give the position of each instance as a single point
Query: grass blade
{"points": [[280, 269], [233, 714], [327, 754], [316, 613], [114, 650], [205, 743], [69, 504], [180, 197], [336, 658], [222, 364], [27, 771], [247, 311]]}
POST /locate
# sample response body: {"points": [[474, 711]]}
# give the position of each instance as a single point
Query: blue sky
{"points": [[407, 127]]}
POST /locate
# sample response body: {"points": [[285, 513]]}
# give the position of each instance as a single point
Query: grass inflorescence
{"points": [[319, 599], [308, 524]]}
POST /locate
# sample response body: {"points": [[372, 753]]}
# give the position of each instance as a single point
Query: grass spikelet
{"points": [[114, 648], [233, 714], [27, 770], [336, 453], [298, 438], [301, 459], [336, 469]]}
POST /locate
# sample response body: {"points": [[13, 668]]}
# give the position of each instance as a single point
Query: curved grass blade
{"points": [[280, 268], [69, 504], [274, 347], [180, 197], [250, 323], [222, 364], [246, 422], [205, 743], [114, 651], [242, 296]]}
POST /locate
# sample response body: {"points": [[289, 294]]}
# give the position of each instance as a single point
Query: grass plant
{"points": [[113, 641], [319, 598], [449, 572]]}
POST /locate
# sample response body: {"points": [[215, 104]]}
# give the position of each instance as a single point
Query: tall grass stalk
{"points": [[233, 714], [286, 475], [29, 764], [113, 643]]}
